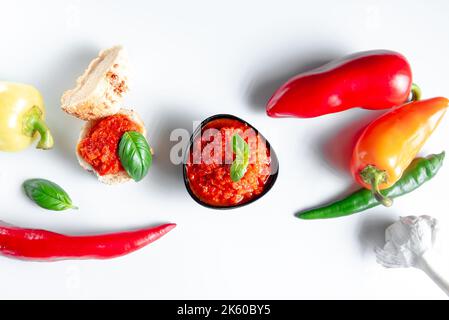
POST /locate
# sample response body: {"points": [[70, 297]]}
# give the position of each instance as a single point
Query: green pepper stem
{"points": [[375, 177], [416, 92], [33, 122]]}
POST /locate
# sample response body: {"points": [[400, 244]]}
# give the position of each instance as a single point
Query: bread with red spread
{"points": [[99, 91], [121, 176]]}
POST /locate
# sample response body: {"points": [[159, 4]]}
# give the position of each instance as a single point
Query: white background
{"points": [[193, 59]]}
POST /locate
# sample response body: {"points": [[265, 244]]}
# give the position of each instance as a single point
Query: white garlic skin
{"points": [[407, 241]]}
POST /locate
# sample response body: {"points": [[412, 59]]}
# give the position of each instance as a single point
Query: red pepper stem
{"points": [[416, 93], [33, 122], [375, 177]]}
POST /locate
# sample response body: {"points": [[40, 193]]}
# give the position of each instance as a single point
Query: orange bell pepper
{"points": [[389, 144]]}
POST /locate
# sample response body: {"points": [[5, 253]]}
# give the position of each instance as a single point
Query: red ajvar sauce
{"points": [[100, 147], [208, 167]]}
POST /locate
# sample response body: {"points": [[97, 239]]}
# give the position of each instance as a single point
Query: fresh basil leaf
{"points": [[238, 144], [48, 195], [135, 155], [241, 162], [237, 171]]}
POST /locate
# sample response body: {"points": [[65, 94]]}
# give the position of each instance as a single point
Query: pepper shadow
{"points": [[338, 145], [280, 69], [334, 148], [67, 67], [166, 177]]}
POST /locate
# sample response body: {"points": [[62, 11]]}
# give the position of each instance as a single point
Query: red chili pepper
{"points": [[32, 244], [371, 80]]}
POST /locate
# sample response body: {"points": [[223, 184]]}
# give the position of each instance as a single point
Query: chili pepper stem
{"points": [[415, 92], [33, 122], [374, 177]]}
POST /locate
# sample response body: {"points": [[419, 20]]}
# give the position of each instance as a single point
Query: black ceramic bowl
{"points": [[269, 183]]}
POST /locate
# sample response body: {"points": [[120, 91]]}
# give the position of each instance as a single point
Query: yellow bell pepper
{"points": [[22, 114]]}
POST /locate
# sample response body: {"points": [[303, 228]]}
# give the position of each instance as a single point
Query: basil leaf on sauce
{"points": [[240, 164], [135, 155], [48, 195]]}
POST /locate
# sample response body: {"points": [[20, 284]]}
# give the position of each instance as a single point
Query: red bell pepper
{"points": [[42, 245], [371, 80]]}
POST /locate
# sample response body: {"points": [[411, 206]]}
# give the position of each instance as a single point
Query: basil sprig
{"points": [[135, 155], [48, 195], [240, 164]]}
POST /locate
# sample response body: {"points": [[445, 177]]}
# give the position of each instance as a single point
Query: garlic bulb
{"points": [[411, 242]]}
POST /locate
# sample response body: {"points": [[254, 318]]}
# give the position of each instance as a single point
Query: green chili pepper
{"points": [[420, 171]]}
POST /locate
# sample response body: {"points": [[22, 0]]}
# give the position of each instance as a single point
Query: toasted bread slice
{"points": [[100, 89], [121, 176]]}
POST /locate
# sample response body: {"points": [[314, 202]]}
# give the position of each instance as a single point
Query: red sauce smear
{"points": [[100, 147], [210, 159]]}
